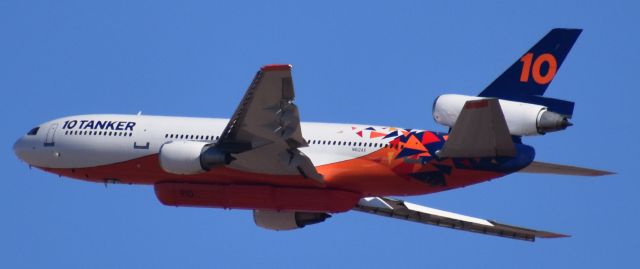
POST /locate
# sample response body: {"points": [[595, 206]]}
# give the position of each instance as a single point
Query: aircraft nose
{"points": [[21, 149]]}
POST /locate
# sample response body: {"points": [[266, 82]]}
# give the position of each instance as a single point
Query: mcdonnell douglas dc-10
{"points": [[293, 174]]}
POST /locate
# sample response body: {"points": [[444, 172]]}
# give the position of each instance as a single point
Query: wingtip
{"points": [[605, 173], [276, 67], [550, 235]]}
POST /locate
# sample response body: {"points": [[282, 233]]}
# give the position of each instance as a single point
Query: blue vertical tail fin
{"points": [[528, 78]]}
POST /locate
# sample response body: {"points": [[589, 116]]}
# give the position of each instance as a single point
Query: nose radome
{"points": [[19, 148]]}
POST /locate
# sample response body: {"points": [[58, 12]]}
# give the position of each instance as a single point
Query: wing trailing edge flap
{"points": [[263, 134], [559, 169], [399, 209], [479, 131]]}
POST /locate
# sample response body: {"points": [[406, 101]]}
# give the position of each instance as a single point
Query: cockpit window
{"points": [[33, 131]]}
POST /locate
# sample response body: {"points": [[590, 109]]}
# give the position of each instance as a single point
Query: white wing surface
{"points": [[263, 135], [399, 209]]}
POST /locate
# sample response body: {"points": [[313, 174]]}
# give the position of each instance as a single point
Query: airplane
{"points": [[293, 174]]}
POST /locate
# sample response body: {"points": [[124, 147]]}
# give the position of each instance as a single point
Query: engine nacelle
{"points": [[522, 118], [182, 157], [287, 220], [190, 157]]}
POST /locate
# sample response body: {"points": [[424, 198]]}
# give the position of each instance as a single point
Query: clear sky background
{"points": [[374, 62]]}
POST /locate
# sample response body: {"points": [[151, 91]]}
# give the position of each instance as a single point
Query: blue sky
{"points": [[375, 62]]}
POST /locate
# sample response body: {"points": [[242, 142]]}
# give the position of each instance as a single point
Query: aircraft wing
{"points": [[263, 135], [399, 209]]}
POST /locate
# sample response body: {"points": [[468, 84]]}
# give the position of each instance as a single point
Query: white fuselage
{"points": [[95, 140]]}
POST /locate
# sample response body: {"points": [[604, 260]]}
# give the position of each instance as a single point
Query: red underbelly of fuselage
{"points": [[345, 182]]}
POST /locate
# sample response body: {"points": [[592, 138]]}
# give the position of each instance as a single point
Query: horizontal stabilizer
{"points": [[479, 131], [399, 209], [559, 169]]}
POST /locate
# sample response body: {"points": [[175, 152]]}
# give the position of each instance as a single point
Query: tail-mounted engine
{"points": [[523, 119]]}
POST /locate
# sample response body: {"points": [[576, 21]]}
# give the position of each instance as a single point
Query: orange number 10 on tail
{"points": [[534, 70]]}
